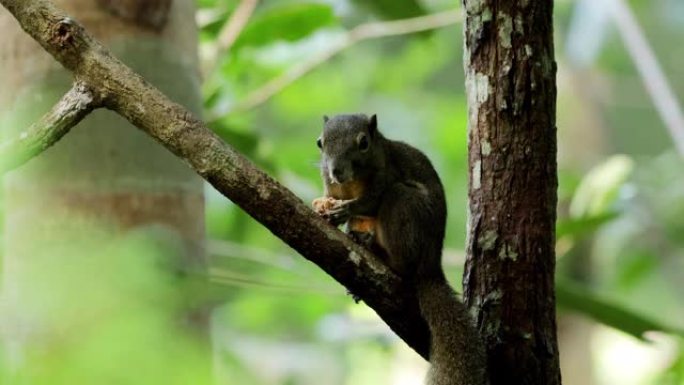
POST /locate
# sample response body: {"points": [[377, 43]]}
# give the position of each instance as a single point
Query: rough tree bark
{"points": [[105, 177], [509, 276]]}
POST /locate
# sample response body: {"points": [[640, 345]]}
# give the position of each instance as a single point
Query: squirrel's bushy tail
{"points": [[457, 354]]}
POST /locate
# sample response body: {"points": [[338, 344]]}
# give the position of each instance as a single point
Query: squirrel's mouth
{"points": [[340, 177], [341, 181]]}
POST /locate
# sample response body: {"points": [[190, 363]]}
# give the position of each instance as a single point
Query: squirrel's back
{"points": [[428, 207], [456, 352]]}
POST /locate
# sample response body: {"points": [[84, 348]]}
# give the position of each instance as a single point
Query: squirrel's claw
{"points": [[337, 216]]}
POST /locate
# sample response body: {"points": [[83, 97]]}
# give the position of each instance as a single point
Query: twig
{"points": [[358, 34], [274, 206], [75, 105], [235, 24], [652, 74], [228, 277], [231, 31], [223, 248]]}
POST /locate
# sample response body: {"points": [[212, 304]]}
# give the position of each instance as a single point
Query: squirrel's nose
{"points": [[337, 173]]}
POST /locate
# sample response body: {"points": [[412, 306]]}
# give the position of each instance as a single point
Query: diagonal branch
{"points": [[75, 105], [267, 201]]}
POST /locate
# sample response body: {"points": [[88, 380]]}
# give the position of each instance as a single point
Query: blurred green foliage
{"points": [[289, 22], [121, 328]]}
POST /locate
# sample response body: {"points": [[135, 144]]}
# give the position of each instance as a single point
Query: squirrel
{"points": [[392, 200]]}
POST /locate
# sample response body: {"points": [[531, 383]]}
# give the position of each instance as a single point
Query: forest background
{"points": [[276, 318]]}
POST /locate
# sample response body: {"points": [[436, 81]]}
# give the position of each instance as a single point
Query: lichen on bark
{"points": [[510, 83]]}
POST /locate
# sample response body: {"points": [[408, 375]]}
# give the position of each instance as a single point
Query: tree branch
{"points": [[651, 73], [284, 214], [358, 34], [75, 105]]}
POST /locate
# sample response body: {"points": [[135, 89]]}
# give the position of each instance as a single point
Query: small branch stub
{"points": [[62, 35], [75, 105]]}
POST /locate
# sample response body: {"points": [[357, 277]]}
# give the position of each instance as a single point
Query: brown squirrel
{"points": [[392, 200]]}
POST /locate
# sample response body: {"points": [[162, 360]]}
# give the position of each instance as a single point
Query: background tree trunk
{"points": [[509, 275], [106, 181]]}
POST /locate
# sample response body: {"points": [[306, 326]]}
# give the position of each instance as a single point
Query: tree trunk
{"points": [[509, 275], [87, 200]]}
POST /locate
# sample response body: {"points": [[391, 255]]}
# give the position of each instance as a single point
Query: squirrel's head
{"points": [[348, 147]]}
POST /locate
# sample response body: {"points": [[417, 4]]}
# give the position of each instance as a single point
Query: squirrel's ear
{"points": [[325, 118], [373, 125]]}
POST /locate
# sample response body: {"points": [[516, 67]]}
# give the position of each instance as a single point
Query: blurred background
{"points": [[269, 70]]}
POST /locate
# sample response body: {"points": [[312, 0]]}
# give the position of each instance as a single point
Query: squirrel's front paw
{"points": [[323, 204], [336, 211]]}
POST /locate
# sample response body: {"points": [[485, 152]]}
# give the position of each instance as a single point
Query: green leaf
{"points": [[633, 267], [206, 4], [212, 17], [243, 141], [575, 297], [674, 374], [599, 188], [583, 225], [288, 22], [393, 9], [211, 28]]}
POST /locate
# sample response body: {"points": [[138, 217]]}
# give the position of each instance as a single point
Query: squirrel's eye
{"points": [[363, 143], [319, 143]]}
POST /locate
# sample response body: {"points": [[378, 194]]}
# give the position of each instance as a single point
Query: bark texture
{"points": [[509, 275], [152, 13], [177, 129]]}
